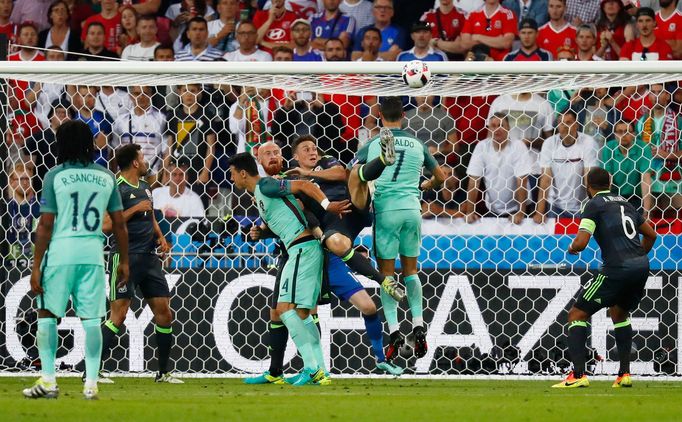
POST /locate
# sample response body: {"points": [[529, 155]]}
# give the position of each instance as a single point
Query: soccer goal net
{"points": [[515, 141]]}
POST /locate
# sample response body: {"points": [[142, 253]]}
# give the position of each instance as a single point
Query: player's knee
{"points": [[303, 313], [338, 243], [164, 317], [368, 308], [274, 315], [44, 313], [618, 314], [575, 314]]}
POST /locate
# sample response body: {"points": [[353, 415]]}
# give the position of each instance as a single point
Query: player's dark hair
{"points": [[126, 154], [244, 161], [301, 139], [599, 179], [391, 108], [75, 143]]}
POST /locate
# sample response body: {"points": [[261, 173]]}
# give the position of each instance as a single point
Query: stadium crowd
{"points": [[512, 155]]}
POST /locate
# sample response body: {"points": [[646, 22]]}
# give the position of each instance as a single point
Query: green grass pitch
{"points": [[202, 400]]}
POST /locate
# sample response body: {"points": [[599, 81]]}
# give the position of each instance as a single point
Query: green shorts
{"points": [[85, 284], [397, 232], [301, 277]]}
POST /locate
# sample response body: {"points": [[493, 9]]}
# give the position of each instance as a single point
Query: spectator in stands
{"points": [[565, 53], [147, 7], [273, 26], [41, 147], [164, 53], [528, 9], [422, 50], [31, 11], [596, 113], [198, 48], [504, 164], [393, 39], [360, 10], [479, 53], [579, 12], [332, 23], [83, 102], [248, 47], [446, 23], [669, 26], [181, 13], [222, 31], [628, 160], [143, 50], [177, 200], [24, 210], [431, 123], [304, 114], [613, 29], [42, 95], [493, 26], [661, 129], [7, 27], [113, 101], [468, 6], [19, 101], [371, 42], [586, 40], [95, 50], [303, 49], [59, 33], [565, 159], [129, 34], [529, 50], [248, 119], [646, 46], [192, 133], [558, 31], [283, 54], [143, 125], [110, 20]]}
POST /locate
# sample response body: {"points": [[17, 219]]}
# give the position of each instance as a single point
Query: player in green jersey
{"points": [[397, 211], [76, 194], [301, 277]]}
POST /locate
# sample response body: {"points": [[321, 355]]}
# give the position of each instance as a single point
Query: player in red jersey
{"points": [[558, 31], [492, 25], [669, 26], [646, 46]]}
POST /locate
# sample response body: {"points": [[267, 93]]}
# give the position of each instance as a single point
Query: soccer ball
{"points": [[416, 74]]}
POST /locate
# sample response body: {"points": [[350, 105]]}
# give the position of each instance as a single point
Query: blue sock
{"points": [[375, 335], [415, 299], [47, 346]]}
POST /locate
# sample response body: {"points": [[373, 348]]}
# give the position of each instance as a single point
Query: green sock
{"points": [[299, 334], [93, 348], [390, 307], [47, 346], [415, 299], [315, 341]]}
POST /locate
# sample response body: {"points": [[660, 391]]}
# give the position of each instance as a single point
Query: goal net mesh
{"points": [[497, 280]]}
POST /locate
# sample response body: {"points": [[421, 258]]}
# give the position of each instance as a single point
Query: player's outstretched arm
{"points": [[649, 236], [313, 191], [121, 234], [43, 236], [333, 174], [436, 180]]}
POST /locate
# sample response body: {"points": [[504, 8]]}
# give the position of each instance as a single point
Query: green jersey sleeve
{"points": [[361, 155], [115, 202], [273, 188], [430, 163], [48, 199]]}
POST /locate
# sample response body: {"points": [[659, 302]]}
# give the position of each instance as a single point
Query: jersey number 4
{"points": [[87, 211]]}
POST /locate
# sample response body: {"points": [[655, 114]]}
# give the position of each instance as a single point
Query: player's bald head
{"points": [[270, 157]]}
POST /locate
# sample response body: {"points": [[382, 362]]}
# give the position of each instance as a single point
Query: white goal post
{"points": [[496, 293]]}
